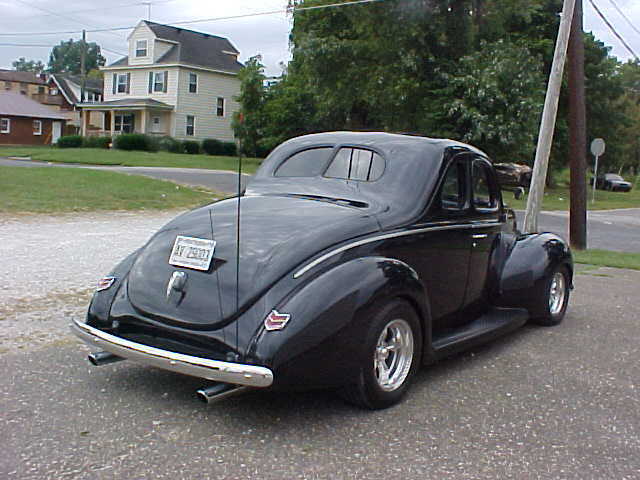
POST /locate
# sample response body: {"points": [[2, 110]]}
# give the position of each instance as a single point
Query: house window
{"points": [[220, 107], [41, 90], [124, 123], [158, 82], [122, 83], [23, 88], [7, 85], [53, 91], [37, 127], [191, 124], [141, 48], [193, 83], [5, 125]]}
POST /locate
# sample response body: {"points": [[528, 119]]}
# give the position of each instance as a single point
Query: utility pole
{"points": [[577, 134], [547, 126], [83, 73]]}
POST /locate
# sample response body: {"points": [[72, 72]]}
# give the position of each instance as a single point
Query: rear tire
{"points": [[552, 304], [391, 357]]}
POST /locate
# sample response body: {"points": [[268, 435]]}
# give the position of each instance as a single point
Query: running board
{"points": [[496, 322]]}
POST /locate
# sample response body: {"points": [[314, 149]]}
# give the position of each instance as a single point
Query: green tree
{"points": [[65, 58], [247, 122], [24, 65], [495, 100]]}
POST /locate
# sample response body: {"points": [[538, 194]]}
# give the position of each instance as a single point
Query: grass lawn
{"points": [[558, 199], [607, 258], [97, 156], [60, 190]]}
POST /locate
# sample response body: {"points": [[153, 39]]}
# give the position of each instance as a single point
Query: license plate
{"points": [[192, 252]]}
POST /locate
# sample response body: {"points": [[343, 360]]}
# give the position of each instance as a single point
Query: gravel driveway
{"points": [[542, 403], [50, 265]]}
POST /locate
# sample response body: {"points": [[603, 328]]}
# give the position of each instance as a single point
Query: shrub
{"points": [[191, 146], [132, 141], [169, 144], [96, 142], [70, 141], [211, 146]]}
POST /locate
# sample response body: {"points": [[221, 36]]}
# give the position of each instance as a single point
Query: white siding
{"points": [[139, 86], [202, 105], [141, 32], [160, 48]]}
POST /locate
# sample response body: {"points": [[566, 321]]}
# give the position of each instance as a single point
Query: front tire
{"points": [[552, 304], [391, 357]]}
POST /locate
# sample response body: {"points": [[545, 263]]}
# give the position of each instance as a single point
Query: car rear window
{"points": [[307, 163], [356, 164]]}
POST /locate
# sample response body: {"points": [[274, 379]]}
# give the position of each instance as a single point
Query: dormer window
{"points": [[141, 48]]}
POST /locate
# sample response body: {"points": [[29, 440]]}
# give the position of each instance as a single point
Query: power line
{"points": [[64, 17], [120, 6], [199, 20], [615, 5], [613, 30]]}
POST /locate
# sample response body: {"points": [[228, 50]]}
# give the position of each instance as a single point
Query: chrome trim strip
{"points": [[215, 370], [386, 236], [480, 235]]}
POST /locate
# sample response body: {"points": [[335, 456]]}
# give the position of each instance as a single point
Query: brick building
{"points": [[24, 121]]}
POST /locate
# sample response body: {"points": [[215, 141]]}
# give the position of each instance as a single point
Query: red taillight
{"points": [[276, 321], [104, 283]]}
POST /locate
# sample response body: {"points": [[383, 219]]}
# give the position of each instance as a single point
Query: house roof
{"points": [[124, 103], [18, 105], [193, 48], [15, 76], [63, 79]]}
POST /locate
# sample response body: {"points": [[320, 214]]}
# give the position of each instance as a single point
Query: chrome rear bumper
{"points": [[235, 373]]}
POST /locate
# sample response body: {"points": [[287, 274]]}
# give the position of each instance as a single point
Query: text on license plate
{"points": [[192, 252]]}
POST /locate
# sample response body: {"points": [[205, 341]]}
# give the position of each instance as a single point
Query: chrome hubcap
{"points": [[557, 292], [393, 355]]}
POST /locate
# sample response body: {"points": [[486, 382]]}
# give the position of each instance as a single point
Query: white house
{"points": [[174, 82]]}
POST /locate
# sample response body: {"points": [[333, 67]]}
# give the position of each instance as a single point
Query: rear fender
{"points": [[528, 266], [321, 345]]}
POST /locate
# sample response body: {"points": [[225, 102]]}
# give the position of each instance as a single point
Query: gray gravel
{"points": [[50, 265], [542, 403]]}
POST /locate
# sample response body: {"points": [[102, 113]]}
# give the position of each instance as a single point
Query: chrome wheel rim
{"points": [[394, 355], [557, 293]]}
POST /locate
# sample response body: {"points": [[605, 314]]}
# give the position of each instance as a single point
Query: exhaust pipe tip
{"points": [[218, 392], [103, 358]]}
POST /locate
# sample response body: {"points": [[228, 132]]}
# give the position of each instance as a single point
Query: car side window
{"points": [[307, 163], [356, 164], [484, 196], [452, 193]]}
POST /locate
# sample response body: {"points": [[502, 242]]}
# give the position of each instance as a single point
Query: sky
{"points": [[266, 35]]}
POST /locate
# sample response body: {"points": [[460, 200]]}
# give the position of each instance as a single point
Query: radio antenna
{"points": [[238, 238]]}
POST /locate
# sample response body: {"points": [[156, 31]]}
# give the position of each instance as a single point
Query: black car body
{"points": [[361, 256], [613, 183]]}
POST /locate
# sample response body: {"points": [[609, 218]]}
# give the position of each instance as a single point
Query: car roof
{"points": [[412, 168]]}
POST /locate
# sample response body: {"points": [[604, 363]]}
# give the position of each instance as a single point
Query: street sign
{"points": [[597, 149]]}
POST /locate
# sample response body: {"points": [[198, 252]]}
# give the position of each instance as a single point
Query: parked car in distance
{"points": [[360, 257], [513, 174], [612, 182]]}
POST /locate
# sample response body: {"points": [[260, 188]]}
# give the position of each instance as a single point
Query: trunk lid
{"points": [[277, 234]]}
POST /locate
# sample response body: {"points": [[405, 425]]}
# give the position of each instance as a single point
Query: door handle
{"points": [[479, 235]]}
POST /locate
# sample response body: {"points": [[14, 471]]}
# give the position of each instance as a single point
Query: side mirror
{"points": [[518, 193]]}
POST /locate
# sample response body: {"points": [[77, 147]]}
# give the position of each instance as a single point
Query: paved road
{"points": [[542, 403], [606, 229], [611, 230], [217, 180]]}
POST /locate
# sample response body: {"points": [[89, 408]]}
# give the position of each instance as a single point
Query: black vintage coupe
{"points": [[361, 257]]}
